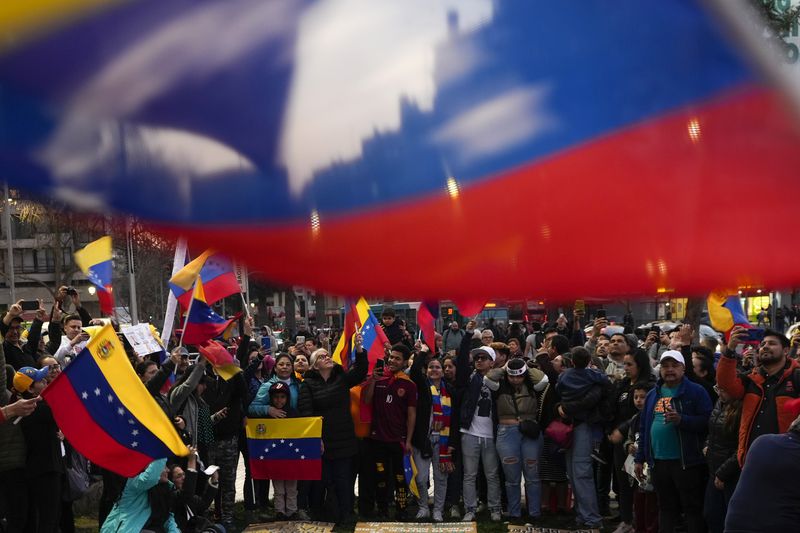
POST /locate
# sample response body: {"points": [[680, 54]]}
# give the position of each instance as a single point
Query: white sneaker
{"points": [[455, 512], [496, 516], [437, 516], [423, 513], [624, 528], [469, 516]]}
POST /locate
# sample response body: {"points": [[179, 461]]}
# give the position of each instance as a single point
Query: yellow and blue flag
{"points": [[95, 262], [106, 413], [725, 310]]}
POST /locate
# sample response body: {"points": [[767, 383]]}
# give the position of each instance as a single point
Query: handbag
{"points": [[528, 428], [559, 432]]}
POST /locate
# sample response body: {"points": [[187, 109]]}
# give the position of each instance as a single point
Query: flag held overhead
{"points": [[107, 414], [95, 261]]}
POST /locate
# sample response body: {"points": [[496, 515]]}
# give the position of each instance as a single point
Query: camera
{"points": [[72, 291]]}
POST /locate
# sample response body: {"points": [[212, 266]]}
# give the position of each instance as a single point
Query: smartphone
{"points": [[580, 306], [601, 313], [755, 335], [210, 470], [656, 329], [300, 339], [30, 305]]}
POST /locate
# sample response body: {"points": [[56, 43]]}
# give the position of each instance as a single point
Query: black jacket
{"points": [[723, 443], [331, 400], [468, 385], [420, 440], [198, 503], [42, 443], [231, 394], [624, 409]]}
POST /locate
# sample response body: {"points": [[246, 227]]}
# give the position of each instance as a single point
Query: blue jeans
{"points": [[518, 455], [475, 450], [581, 477]]}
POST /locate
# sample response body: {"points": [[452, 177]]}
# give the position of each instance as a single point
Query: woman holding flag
{"points": [[325, 392], [431, 440]]}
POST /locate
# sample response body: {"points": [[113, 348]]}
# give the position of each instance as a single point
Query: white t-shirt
{"points": [[482, 425]]}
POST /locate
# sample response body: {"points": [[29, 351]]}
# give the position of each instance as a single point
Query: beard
{"points": [[769, 357]]}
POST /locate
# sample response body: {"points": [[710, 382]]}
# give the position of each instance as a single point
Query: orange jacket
{"points": [[749, 388]]}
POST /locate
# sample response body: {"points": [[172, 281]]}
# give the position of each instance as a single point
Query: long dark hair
{"points": [[283, 355], [642, 361], [507, 388]]}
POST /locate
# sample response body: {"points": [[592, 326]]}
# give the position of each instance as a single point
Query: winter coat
{"points": [[749, 388], [183, 401], [694, 406], [12, 441], [722, 444], [132, 510], [42, 444], [468, 385], [422, 428], [331, 400], [260, 405], [623, 398], [188, 501], [231, 394], [586, 395]]}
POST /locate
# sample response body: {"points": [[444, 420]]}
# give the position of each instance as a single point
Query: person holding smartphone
{"points": [[764, 390], [17, 354]]}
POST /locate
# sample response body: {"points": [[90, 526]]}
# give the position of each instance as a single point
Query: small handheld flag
{"points": [[725, 310], [220, 359], [216, 272], [202, 323], [410, 472], [95, 262]]}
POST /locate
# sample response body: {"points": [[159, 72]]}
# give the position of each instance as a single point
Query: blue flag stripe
{"points": [[106, 409], [285, 448]]}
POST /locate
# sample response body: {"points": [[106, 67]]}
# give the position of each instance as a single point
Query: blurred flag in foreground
{"points": [[286, 448], [95, 262], [106, 413]]}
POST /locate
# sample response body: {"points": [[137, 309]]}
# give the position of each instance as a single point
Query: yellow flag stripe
{"points": [[284, 428], [185, 277], [23, 18], [110, 356], [93, 253]]}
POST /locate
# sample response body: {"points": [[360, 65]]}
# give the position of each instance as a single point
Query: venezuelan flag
{"points": [[410, 473], [220, 358], [216, 272], [285, 448], [360, 319], [426, 319], [95, 262], [725, 310], [107, 414], [202, 323]]}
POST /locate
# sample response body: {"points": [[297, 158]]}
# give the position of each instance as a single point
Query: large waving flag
{"points": [[285, 448], [220, 358], [106, 413], [202, 323], [95, 262], [286, 157], [360, 319], [216, 272], [427, 314], [725, 310]]}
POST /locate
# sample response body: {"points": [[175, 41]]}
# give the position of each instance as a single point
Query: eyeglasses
{"points": [[481, 358]]}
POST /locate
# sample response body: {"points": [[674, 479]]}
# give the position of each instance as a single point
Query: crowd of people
{"points": [[516, 424]]}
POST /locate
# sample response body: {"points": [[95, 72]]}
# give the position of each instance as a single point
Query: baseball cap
{"points": [[27, 376], [484, 350], [279, 387], [672, 354]]}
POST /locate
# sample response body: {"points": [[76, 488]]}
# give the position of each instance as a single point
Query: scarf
{"points": [[441, 407]]}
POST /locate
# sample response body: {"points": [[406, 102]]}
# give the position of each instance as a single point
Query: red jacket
{"points": [[749, 388]]}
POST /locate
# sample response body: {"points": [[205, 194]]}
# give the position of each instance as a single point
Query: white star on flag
{"points": [[134, 444], [84, 395], [135, 432], [121, 411], [282, 441], [97, 391], [302, 457], [260, 456], [110, 398]]}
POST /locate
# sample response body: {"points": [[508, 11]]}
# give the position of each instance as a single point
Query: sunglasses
{"points": [[481, 358]]}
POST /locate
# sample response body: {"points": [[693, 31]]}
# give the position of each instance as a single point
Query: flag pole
{"points": [[244, 304], [186, 320]]}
